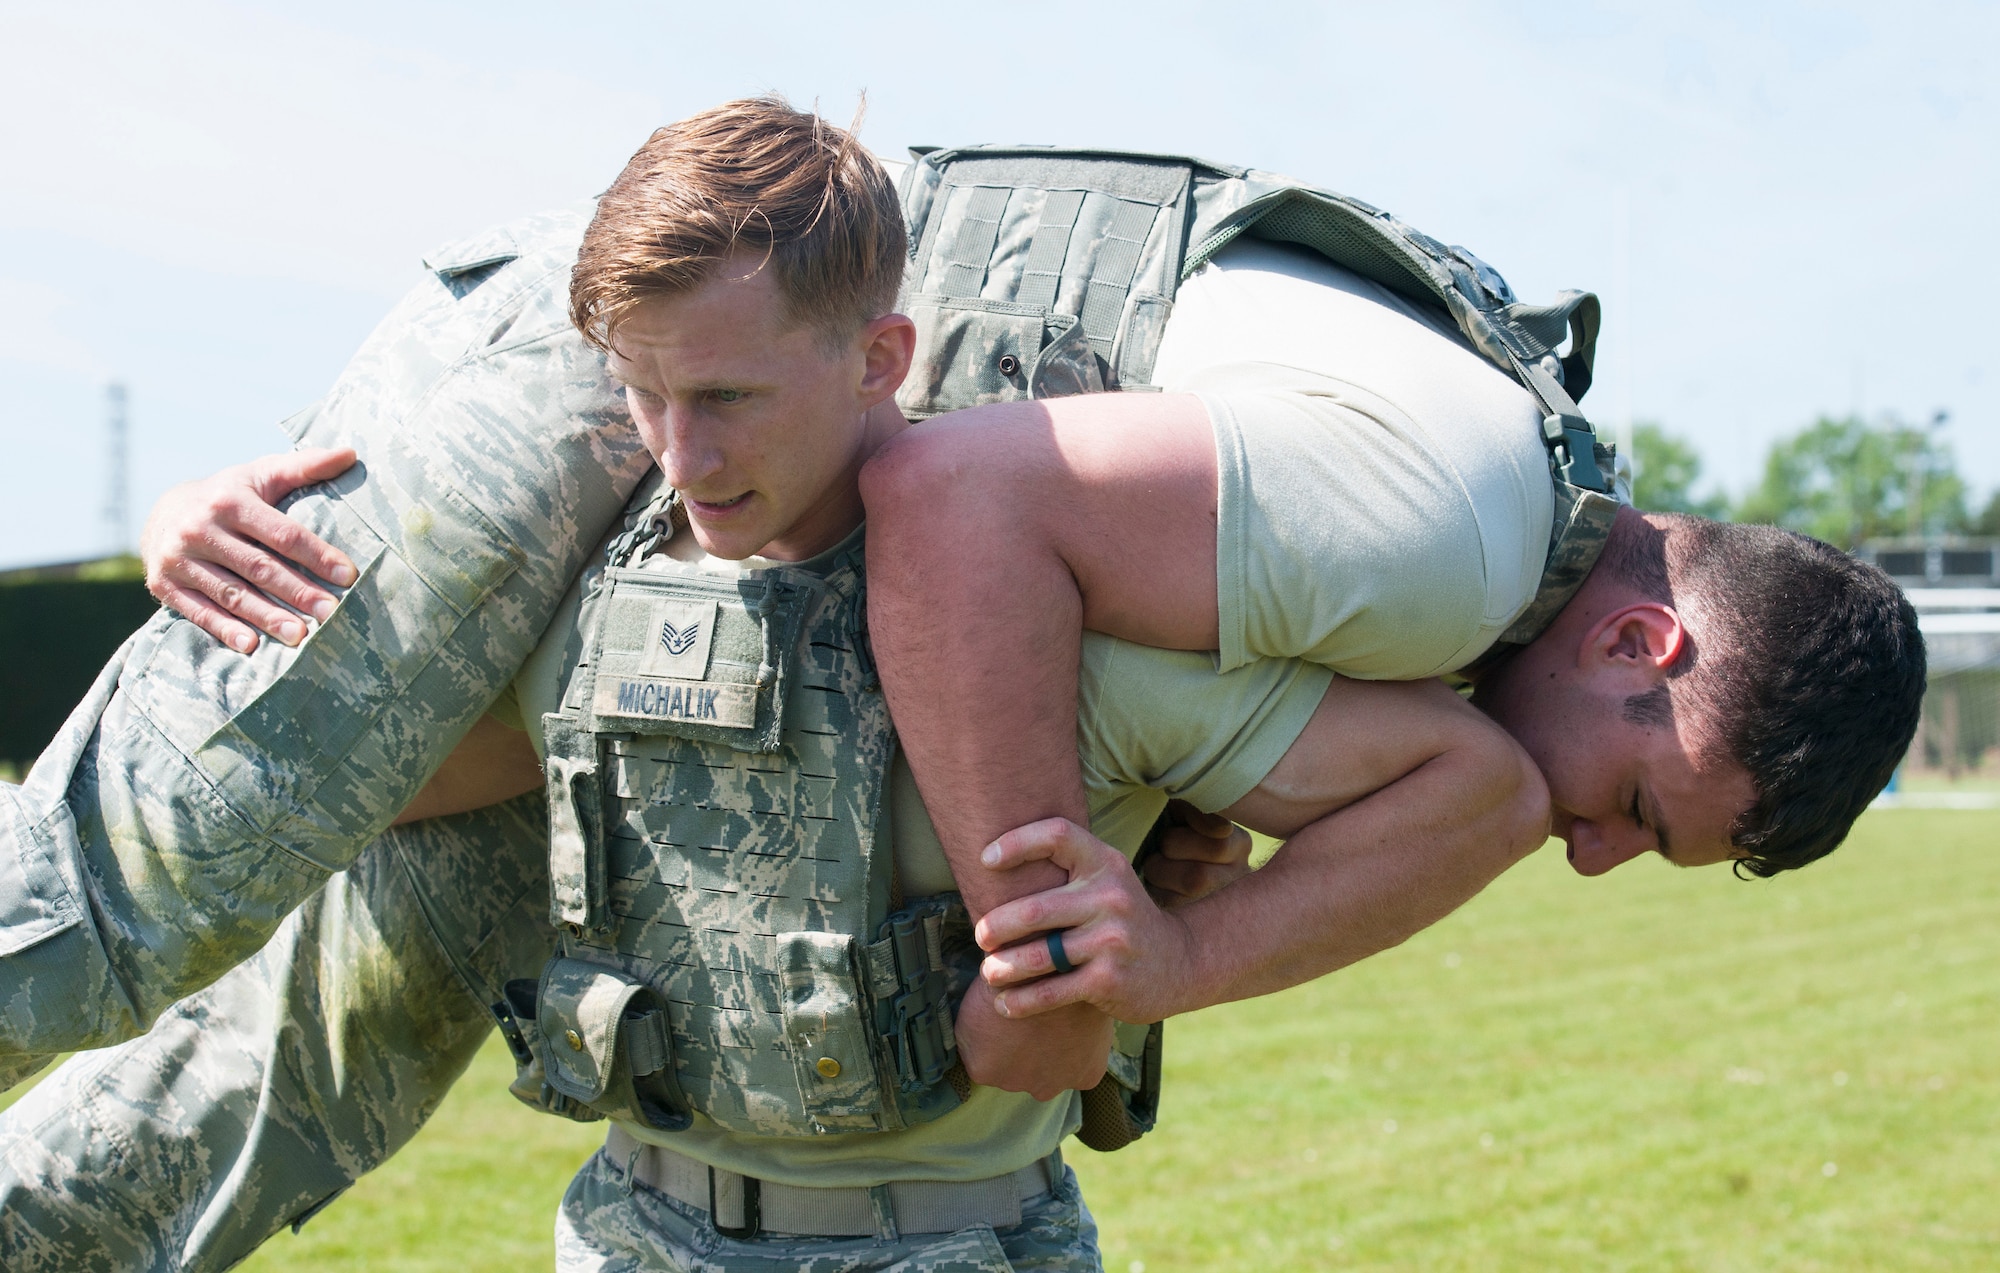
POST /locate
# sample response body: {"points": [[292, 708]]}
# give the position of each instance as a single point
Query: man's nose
{"points": [[1595, 848], [688, 452]]}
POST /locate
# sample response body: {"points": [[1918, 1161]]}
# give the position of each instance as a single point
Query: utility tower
{"points": [[117, 516]]}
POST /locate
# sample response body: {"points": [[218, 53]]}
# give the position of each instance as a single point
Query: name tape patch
{"points": [[723, 703]]}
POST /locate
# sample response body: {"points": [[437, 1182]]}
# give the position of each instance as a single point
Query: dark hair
{"points": [[1808, 672], [752, 176]]}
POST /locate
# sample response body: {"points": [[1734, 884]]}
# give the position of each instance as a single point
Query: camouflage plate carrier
{"points": [[717, 774], [720, 867]]}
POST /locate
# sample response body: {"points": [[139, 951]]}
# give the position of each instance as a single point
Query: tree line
{"points": [[1841, 479]]}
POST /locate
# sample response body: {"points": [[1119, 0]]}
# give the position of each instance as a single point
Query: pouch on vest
{"points": [[605, 1044], [516, 1015], [1029, 267], [919, 966], [971, 352], [827, 1032], [1126, 1101], [705, 659]]}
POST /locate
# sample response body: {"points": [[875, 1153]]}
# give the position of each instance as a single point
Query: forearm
{"points": [[995, 536], [1366, 877]]}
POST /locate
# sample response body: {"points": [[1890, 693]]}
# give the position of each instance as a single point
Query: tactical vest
{"points": [[1036, 272], [718, 771], [721, 871]]}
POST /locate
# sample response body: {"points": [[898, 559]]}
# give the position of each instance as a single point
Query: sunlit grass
{"points": [[1660, 1069]]}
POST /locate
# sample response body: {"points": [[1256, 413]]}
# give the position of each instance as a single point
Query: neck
{"points": [[841, 511]]}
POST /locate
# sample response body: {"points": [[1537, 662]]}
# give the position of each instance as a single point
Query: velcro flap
{"points": [[707, 659], [826, 1031], [581, 1010]]}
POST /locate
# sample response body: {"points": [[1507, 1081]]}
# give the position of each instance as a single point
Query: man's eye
{"points": [[728, 395], [635, 393]]}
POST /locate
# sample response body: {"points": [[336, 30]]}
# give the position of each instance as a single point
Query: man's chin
{"points": [[732, 544]]}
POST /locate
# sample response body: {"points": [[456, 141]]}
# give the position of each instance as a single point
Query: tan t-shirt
{"points": [[1153, 724], [1385, 500]]}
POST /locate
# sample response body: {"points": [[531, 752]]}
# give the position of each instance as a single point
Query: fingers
{"points": [[1212, 825], [1032, 960], [261, 547], [270, 480], [1188, 844], [1107, 889], [1056, 840], [275, 476], [1020, 1002], [207, 616], [237, 599]]}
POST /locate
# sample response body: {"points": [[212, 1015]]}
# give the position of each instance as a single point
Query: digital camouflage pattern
{"points": [[198, 795], [610, 1224], [257, 1100], [744, 879]]}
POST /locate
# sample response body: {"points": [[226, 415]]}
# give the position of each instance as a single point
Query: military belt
{"points": [[743, 1206]]}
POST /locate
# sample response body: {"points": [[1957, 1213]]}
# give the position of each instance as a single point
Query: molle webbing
{"points": [[1038, 272]]}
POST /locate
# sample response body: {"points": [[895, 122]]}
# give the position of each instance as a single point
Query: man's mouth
{"points": [[714, 508]]}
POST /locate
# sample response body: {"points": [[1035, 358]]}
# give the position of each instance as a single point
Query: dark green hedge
{"points": [[54, 638]]}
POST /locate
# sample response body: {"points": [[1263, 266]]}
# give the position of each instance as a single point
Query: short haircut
{"points": [[1808, 672], [756, 177]]}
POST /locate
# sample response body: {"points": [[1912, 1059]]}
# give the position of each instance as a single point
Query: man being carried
{"points": [[736, 863], [762, 419]]}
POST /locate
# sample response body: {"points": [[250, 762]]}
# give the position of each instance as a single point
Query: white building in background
{"points": [[1955, 586]]}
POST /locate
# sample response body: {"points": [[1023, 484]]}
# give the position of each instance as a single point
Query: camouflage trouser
{"points": [[199, 795], [611, 1224], [256, 1101]]}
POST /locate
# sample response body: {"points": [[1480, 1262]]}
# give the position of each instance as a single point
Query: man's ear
{"points": [[888, 345], [1638, 643]]}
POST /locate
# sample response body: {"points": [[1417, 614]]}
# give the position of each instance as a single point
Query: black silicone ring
{"points": [[1056, 954]]}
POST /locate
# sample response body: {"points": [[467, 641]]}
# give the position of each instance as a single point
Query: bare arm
{"points": [[1399, 802], [494, 762], [1095, 511]]}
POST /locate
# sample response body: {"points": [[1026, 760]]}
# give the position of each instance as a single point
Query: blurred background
{"points": [[1786, 208]]}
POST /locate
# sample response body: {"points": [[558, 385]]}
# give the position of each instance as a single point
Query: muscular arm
{"points": [[995, 536], [1397, 803]]}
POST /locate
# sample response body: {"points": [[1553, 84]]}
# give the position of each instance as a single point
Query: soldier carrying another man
{"points": [[758, 956]]}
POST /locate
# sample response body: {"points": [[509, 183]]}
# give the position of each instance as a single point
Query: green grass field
{"points": [[1661, 1069]]}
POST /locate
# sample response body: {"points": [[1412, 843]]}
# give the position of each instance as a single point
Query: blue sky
{"points": [[1786, 207]]}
